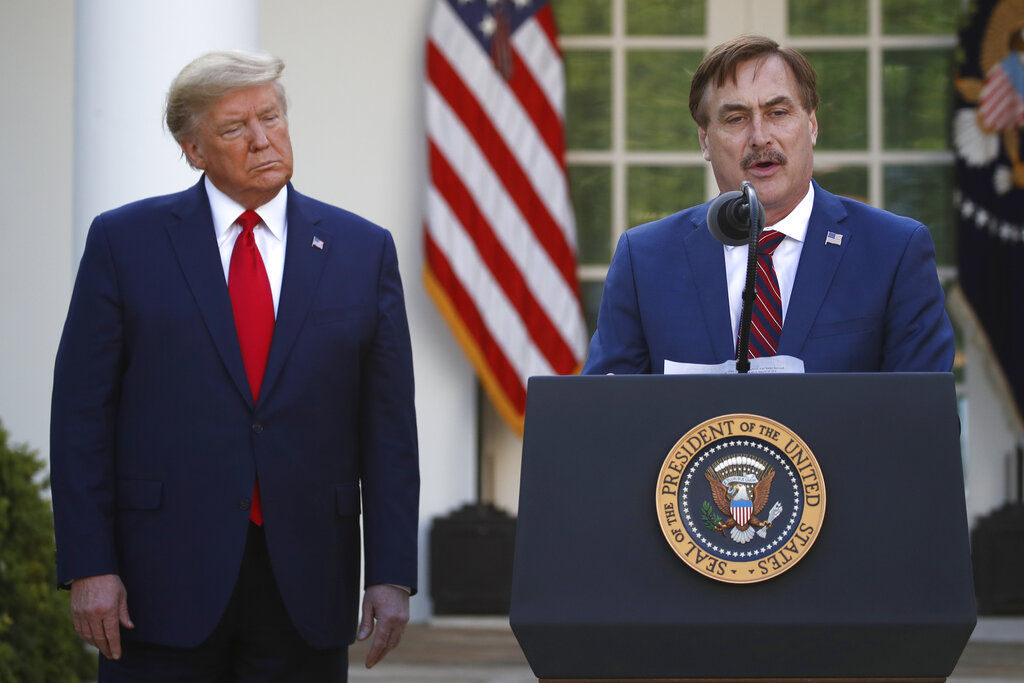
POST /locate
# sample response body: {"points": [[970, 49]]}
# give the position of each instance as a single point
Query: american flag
{"points": [[500, 238], [1002, 97]]}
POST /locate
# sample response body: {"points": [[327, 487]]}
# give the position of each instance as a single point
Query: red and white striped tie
{"points": [[766, 322]]}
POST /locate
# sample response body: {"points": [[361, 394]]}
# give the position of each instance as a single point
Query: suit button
{"points": [[257, 427], [244, 504]]}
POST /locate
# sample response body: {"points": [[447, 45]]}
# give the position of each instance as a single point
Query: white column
{"points": [[126, 54]]}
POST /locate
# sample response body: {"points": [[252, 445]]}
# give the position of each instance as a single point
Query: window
{"points": [[884, 70]]}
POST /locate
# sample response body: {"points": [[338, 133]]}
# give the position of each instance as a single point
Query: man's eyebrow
{"points": [[729, 107], [778, 99]]}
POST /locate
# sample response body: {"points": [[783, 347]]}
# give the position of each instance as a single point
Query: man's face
{"points": [[758, 130], [243, 145]]}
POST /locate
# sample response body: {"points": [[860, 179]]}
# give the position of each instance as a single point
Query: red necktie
{"points": [[253, 306], [766, 322]]}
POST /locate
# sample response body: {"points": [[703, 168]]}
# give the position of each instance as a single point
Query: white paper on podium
{"points": [[758, 366]]}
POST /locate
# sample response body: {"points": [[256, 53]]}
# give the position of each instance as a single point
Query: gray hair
{"points": [[210, 77]]}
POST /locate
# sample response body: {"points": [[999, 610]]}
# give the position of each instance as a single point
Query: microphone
{"points": [[729, 218], [731, 223]]}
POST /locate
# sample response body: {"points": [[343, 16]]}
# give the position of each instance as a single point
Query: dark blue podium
{"points": [[885, 593]]}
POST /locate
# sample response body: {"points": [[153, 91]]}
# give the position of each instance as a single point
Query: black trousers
{"points": [[255, 641]]}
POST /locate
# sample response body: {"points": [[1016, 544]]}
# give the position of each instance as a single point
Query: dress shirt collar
{"points": [[226, 211], [794, 225]]}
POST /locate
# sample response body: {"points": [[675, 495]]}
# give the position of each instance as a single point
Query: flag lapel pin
{"points": [[834, 238], [319, 243]]}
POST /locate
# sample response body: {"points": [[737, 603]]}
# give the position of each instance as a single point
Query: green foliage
{"points": [[38, 643], [709, 516]]}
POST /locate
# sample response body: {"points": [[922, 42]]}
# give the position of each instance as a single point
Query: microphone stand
{"points": [[749, 289]]}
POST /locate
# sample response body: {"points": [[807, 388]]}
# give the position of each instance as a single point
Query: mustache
{"points": [[771, 155]]}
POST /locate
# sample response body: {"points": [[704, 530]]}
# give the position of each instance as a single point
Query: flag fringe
{"points": [[469, 346]]}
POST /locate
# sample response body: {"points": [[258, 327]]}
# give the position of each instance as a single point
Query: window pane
{"points": [[848, 181], [657, 91], [828, 17], [591, 188], [658, 191], [843, 95], [920, 16], [591, 293], [583, 17], [916, 99], [588, 110], [923, 193], [665, 17]]}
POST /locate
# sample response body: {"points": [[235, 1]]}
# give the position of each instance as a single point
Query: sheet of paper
{"points": [[758, 366]]}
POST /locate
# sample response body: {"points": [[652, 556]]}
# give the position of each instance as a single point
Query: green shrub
{"points": [[38, 643]]}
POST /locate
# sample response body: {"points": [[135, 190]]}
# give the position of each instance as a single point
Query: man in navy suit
{"points": [[859, 288], [233, 392]]}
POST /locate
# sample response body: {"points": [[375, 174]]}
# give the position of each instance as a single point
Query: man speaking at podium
{"points": [[842, 287]]}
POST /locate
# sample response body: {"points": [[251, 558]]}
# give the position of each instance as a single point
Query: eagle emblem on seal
{"points": [[740, 487]]}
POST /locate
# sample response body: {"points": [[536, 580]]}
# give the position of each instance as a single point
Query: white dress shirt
{"points": [[785, 260], [271, 234]]}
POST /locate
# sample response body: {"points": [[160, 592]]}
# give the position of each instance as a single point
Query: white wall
{"points": [[35, 195]]}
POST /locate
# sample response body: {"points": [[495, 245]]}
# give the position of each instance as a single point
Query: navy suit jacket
{"points": [[156, 438], [870, 304]]}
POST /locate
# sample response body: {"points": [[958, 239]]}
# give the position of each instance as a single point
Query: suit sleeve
{"points": [[918, 333], [619, 345], [389, 459], [86, 389]]}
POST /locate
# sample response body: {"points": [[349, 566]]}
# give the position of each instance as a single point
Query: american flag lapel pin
{"points": [[319, 243], [834, 238]]}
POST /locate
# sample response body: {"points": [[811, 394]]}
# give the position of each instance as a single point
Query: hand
{"points": [[388, 606], [99, 607]]}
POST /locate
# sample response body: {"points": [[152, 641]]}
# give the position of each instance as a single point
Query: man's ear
{"points": [[194, 154], [705, 146]]}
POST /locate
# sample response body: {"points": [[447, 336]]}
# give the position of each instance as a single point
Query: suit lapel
{"points": [[303, 265], [818, 264], [192, 235], [707, 263]]}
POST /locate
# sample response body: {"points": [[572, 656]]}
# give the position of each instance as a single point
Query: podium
{"points": [[885, 592]]}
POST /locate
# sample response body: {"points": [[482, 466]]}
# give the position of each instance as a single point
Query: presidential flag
{"points": [[989, 146], [500, 236]]}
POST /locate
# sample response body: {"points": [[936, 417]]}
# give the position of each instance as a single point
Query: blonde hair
{"points": [[210, 77]]}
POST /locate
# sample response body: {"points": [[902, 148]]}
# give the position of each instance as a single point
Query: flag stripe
{"points": [[545, 17], [497, 108], [499, 230], [468, 316], [534, 100], [499, 157], [510, 333], [497, 260], [453, 141], [540, 54]]}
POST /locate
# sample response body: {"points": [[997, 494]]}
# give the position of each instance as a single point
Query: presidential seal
{"points": [[740, 498]]}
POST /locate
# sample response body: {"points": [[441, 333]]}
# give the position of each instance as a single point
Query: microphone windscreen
{"points": [[727, 223]]}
